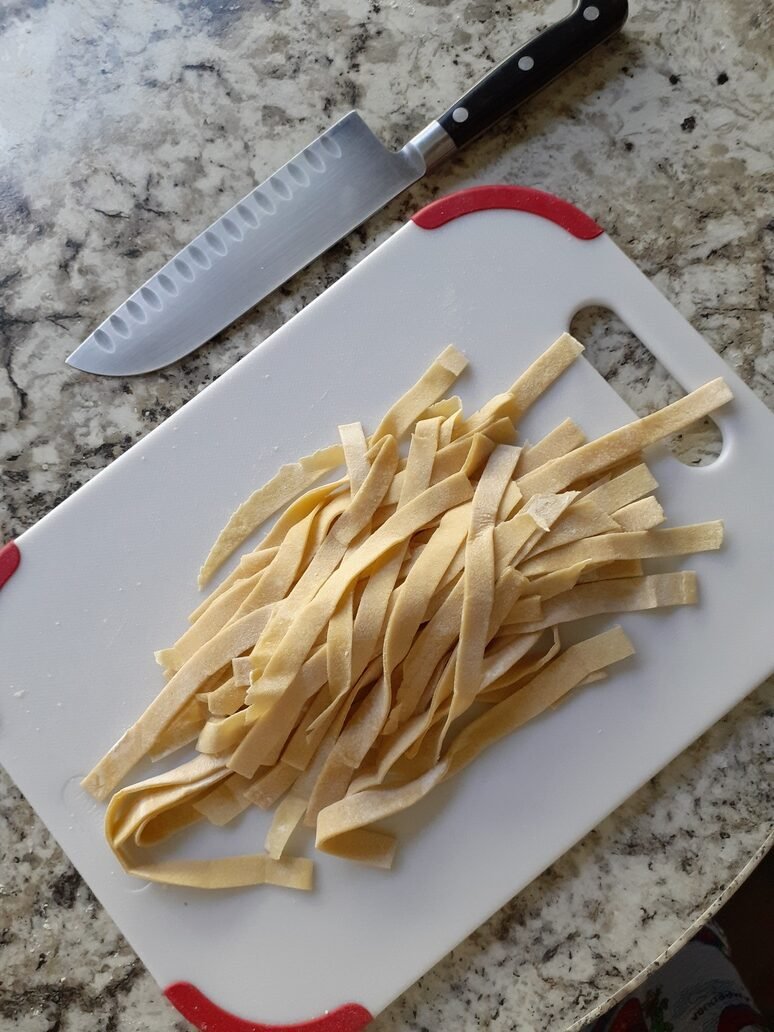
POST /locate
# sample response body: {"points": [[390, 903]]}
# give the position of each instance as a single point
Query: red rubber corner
{"points": [[514, 198], [196, 1008], [10, 557]]}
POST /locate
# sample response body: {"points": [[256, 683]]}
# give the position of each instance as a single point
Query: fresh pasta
{"points": [[395, 623]]}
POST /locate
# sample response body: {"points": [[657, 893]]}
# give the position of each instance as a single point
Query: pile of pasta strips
{"points": [[396, 622]]}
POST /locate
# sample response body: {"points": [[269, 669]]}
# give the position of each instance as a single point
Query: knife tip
{"points": [[88, 357], [76, 358]]}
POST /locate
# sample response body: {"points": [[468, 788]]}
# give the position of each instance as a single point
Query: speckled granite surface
{"points": [[123, 130]]}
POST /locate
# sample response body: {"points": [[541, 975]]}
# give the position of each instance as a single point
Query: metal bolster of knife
{"points": [[432, 143]]}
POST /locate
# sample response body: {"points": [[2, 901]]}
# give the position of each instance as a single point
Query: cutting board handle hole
{"points": [[636, 375]]}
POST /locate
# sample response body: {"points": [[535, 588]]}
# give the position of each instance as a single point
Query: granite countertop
{"points": [[123, 130]]}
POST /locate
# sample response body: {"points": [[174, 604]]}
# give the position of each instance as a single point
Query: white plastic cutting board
{"points": [[110, 575]]}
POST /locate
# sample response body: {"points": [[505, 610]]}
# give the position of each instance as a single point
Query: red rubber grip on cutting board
{"points": [[513, 198], [208, 1017], [10, 557]]}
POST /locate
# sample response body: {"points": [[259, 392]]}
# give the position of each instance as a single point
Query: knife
{"points": [[318, 197]]}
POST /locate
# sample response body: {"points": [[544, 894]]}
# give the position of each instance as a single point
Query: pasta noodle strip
{"points": [[530, 385], [284, 486], [433, 383], [559, 441], [622, 490], [479, 579], [621, 596], [249, 565], [615, 447], [637, 544], [287, 817], [644, 514], [355, 447]]}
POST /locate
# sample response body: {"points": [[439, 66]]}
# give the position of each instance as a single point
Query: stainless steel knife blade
{"points": [[297, 213], [318, 197]]}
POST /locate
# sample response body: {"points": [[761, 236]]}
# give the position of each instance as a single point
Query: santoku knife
{"points": [[318, 197]]}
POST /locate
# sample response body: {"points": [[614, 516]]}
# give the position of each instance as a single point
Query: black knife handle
{"points": [[532, 67]]}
